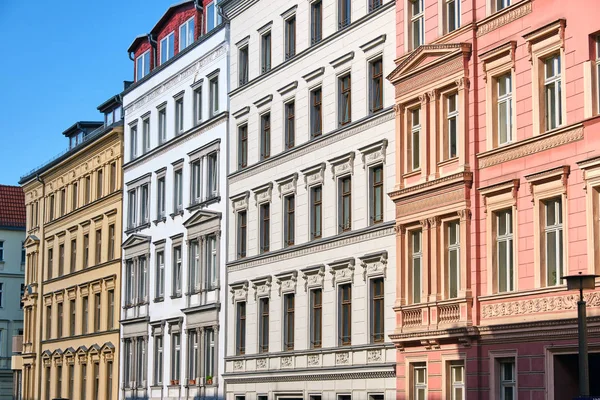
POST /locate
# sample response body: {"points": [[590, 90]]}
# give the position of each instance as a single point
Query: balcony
{"points": [[435, 316]]}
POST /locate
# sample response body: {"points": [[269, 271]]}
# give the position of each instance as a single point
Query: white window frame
{"points": [[158, 359], [418, 386], [160, 274], [1, 293], [415, 132], [504, 383], [450, 248], [177, 271], [211, 262], [133, 142], [193, 344], [146, 142], [417, 19], [212, 181], [188, 34], [416, 254], [455, 14], [213, 91], [499, 5], [179, 115], [197, 105], [196, 181], [161, 192], [141, 59], [164, 45], [452, 115], [456, 384], [597, 72], [1, 250], [507, 100], [162, 125], [176, 355], [506, 238], [557, 230], [178, 190], [553, 83], [266, 58], [132, 220]]}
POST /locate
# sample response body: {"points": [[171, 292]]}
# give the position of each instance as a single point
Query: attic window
{"points": [[142, 65], [167, 48], [186, 33]]}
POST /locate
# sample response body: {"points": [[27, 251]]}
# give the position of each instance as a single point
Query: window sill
{"points": [[448, 161], [157, 221], [204, 203], [159, 299], [137, 228], [175, 296], [175, 214], [412, 173]]}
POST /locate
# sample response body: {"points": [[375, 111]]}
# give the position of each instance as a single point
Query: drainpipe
{"points": [[154, 45], [200, 9], [222, 14], [131, 55], [40, 270]]}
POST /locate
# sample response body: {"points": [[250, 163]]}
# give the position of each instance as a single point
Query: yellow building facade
{"points": [[72, 293]]}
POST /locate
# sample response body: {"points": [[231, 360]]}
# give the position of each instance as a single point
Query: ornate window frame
{"points": [[591, 178]]}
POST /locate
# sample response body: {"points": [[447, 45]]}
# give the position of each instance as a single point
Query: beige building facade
{"points": [[72, 272]]}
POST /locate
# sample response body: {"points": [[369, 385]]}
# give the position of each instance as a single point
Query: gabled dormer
{"points": [[79, 131], [112, 110]]}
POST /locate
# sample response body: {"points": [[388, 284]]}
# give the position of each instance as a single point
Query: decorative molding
{"points": [[287, 362], [374, 356], [314, 74], [315, 246], [241, 112], [266, 27], [314, 277], [310, 147], [262, 286], [342, 271], [338, 62], [239, 291], [263, 101], [314, 175], [342, 164], [342, 358], [287, 282], [262, 194], [261, 363], [443, 70], [287, 88], [430, 201], [373, 43], [504, 17], [374, 264], [554, 28], [311, 376], [287, 184], [531, 145], [314, 360], [239, 201], [374, 153], [538, 305]]}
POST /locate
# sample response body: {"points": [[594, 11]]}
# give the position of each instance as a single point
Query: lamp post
{"points": [[580, 282]]}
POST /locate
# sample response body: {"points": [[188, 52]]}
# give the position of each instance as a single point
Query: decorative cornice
{"points": [[338, 62], [241, 112], [310, 377], [549, 174], [532, 145], [538, 305], [263, 101], [314, 74], [373, 43], [504, 17], [287, 88], [460, 177]]}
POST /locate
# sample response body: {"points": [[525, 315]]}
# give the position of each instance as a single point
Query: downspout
{"points": [[200, 9], [131, 56], [154, 46], [40, 271], [222, 14]]}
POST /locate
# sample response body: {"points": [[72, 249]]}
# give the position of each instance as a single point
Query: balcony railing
{"points": [[433, 316]]}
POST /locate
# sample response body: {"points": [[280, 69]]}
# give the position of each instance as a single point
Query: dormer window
{"points": [[186, 34], [212, 16], [167, 48], [142, 64]]}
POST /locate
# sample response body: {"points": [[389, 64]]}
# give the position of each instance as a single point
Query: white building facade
{"points": [[311, 241], [172, 322]]}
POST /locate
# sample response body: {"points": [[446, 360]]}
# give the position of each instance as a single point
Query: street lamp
{"points": [[580, 282]]}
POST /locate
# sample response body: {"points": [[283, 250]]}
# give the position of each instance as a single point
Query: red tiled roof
{"points": [[12, 206]]}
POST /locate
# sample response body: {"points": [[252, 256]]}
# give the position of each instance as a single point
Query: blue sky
{"points": [[62, 59]]}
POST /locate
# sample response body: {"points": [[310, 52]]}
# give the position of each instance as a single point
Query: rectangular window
{"points": [[504, 109], [186, 34], [162, 125], [113, 177], [160, 275], [452, 12], [316, 318], [241, 234], [209, 353], [211, 10], [290, 37], [289, 321], [130, 276], [61, 259], [414, 138], [74, 196], [344, 100], [97, 312], [88, 189], [345, 204], [507, 379], [419, 381], [175, 357], [451, 126], [51, 207], [242, 146], [63, 195], [109, 380], [111, 242], [198, 105], [316, 22], [345, 315], [132, 209], [316, 217], [192, 356], [110, 323], [146, 135], [240, 325], [316, 113], [83, 381], [453, 254], [344, 12], [142, 65], [377, 194], [72, 317], [290, 220], [243, 65], [456, 372], [376, 85], [85, 318], [50, 263], [265, 227], [194, 266], [213, 174], [48, 322], [265, 52], [142, 279], [417, 23], [145, 204], [48, 382], [59, 321], [211, 277], [98, 246], [177, 271], [374, 4], [178, 195], [213, 88], [500, 4], [504, 250], [86, 250], [598, 71], [167, 48], [377, 311], [1, 293], [160, 194], [132, 143], [179, 116], [554, 240], [196, 182], [263, 325], [158, 360], [417, 263], [128, 363], [552, 91], [265, 136], [71, 371], [290, 125]]}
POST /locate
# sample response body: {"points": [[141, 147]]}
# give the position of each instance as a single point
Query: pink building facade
{"points": [[497, 196]]}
